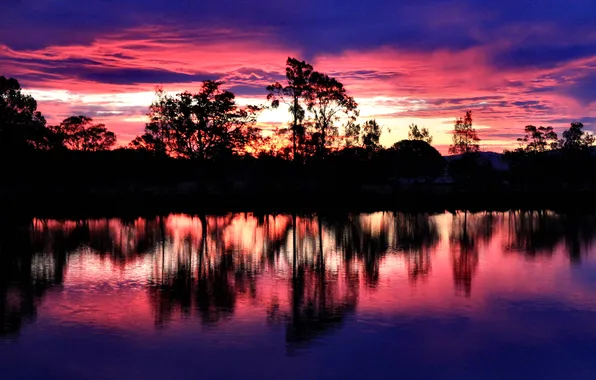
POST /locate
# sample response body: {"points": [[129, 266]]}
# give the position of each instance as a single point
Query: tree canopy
{"points": [[327, 101], [317, 103], [418, 159], [465, 139], [80, 133], [22, 126], [422, 134], [371, 135], [538, 139], [576, 139], [201, 126], [366, 137]]}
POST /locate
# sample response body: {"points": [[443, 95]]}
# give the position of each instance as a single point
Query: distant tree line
{"points": [[323, 136]]}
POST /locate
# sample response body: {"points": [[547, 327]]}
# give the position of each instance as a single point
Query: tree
{"points": [[538, 139], [575, 139], [576, 162], [327, 101], [366, 136], [371, 134], [421, 134], [148, 142], [465, 139], [22, 126], [417, 158], [294, 94], [352, 135], [201, 126], [80, 133]]}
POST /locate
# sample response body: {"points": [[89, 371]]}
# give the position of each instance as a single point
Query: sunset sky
{"points": [[425, 61]]}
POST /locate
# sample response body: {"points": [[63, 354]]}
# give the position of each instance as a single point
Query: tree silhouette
{"points": [[366, 136], [22, 126], [295, 94], [465, 139], [371, 134], [200, 126], [328, 100], [422, 134], [149, 142], [352, 135], [576, 139], [417, 158], [538, 139], [79, 133]]}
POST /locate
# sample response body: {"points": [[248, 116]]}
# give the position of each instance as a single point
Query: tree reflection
{"points": [[534, 233], [364, 238], [319, 302], [539, 233], [415, 235], [193, 280], [23, 279], [468, 231], [305, 271], [579, 232]]}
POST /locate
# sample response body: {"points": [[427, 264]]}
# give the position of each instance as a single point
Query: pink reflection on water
{"points": [[178, 271]]}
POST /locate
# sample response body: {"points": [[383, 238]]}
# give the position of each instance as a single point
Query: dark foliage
{"points": [[417, 158], [204, 146]]}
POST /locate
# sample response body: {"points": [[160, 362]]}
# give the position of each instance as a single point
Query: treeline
{"points": [[210, 144]]}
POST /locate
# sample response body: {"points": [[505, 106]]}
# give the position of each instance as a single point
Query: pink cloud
{"points": [[393, 85]]}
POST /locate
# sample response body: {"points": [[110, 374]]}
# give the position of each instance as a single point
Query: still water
{"points": [[383, 295]]}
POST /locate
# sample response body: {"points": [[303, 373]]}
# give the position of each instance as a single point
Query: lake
{"points": [[382, 295]]}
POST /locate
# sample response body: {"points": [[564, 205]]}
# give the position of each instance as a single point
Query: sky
{"points": [[513, 62]]}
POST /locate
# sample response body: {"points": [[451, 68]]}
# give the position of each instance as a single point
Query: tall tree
{"points": [[294, 93], [22, 126], [465, 139], [80, 133], [576, 139], [421, 134], [328, 101], [201, 126], [538, 139]]}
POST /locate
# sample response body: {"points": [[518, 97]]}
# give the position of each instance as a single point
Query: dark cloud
{"points": [[542, 56], [136, 76], [317, 25], [248, 90], [534, 105], [585, 120], [90, 70], [583, 89]]}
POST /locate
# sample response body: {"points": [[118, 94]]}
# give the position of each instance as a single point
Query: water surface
{"points": [[383, 295]]}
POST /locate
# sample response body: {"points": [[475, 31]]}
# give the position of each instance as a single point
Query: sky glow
{"points": [[513, 63]]}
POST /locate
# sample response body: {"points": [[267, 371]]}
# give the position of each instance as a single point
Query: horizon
{"points": [[513, 64]]}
